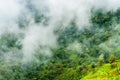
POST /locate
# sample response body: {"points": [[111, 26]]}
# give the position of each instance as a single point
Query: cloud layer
{"points": [[55, 11]]}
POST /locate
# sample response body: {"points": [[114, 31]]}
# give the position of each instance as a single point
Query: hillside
{"points": [[108, 71], [59, 40]]}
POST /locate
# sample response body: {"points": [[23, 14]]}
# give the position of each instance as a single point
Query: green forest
{"points": [[92, 53]]}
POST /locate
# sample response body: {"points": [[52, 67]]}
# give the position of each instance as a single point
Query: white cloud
{"points": [[58, 11], [9, 9]]}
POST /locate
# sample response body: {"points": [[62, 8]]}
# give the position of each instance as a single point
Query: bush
{"points": [[112, 58]]}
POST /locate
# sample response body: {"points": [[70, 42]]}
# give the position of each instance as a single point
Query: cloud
{"points": [[37, 36], [56, 11], [9, 9]]}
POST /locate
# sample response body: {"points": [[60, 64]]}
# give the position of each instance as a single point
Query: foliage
{"points": [[105, 72], [78, 55]]}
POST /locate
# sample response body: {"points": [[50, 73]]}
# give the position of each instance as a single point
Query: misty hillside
{"points": [[59, 40]]}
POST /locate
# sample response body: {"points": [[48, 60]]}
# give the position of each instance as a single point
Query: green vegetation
{"points": [[105, 72], [89, 54]]}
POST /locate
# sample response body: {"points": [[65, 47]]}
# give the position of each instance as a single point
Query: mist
{"points": [[39, 35]]}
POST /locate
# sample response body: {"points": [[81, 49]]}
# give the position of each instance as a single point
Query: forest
{"points": [[63, 51]]}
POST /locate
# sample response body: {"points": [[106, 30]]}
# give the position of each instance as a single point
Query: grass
{"points": [[109, 71]]}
